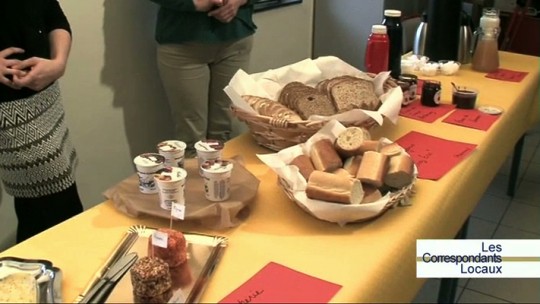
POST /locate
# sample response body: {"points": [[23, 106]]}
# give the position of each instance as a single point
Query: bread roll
{"points": [[334, 188], [373, 168], [352, 164], [371, 194], [324, 156], [400, 171], [304, 164], [350, 141]]}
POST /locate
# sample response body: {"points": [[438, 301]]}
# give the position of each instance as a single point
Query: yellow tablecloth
{"points": [[373, 261]]}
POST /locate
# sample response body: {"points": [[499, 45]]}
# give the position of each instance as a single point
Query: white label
{"points": [[160, 239], [478, 258], [178, 210]]}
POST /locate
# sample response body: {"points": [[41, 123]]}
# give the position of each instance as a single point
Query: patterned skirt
{"points": [[37, 157]]}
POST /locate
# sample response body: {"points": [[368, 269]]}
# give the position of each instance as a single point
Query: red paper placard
{"points": [[434, 156], [471, 119], [507, 75], [275, 283], [426, 114]]}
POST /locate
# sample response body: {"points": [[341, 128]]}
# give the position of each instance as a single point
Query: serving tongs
{"points": [[102, 289]]}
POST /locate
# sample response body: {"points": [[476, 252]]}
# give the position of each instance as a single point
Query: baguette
{"points": [[400, 171], [352, 164], [304, 164], [373, 168], [334, 188], [342, 172], [391, 149], [324, 156], [350, 141], [268, 107], [371, 194], [369, 145]]}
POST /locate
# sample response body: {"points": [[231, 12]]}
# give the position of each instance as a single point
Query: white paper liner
{"points": [[332, 212], [310, 72]]}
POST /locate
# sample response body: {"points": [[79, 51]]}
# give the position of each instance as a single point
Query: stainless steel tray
{"points": [[204, 252], [48, 278]]}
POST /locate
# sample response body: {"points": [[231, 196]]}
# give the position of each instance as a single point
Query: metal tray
{"points": [[204, 252], [48, 278]]}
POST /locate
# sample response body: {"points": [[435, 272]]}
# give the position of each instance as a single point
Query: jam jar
{"points": [[431, 93], [408, 84]]}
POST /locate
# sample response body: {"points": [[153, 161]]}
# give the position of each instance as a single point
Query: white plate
{"points": [[492, 110]]}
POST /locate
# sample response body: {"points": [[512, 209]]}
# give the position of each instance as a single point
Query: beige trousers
{"points": [[193, 76]]}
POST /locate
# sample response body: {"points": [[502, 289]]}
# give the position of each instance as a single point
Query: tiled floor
{"points": [[498, 216]]}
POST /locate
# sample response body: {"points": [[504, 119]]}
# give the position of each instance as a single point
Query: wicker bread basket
{"points": [[398, 197], [277, 134], [294, 185]]}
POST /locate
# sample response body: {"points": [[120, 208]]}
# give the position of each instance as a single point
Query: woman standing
{"points": [[201, 44], [37, 158]]}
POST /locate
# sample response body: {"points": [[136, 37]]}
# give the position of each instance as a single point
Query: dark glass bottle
{"points": [[394, 29]]}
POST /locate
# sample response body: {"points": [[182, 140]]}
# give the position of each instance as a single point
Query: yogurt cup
{"points": [[217, 179], [147, 164], [171, 182], [173, 151], [208, 149]]}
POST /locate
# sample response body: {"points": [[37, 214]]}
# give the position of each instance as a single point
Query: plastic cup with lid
{"points": [[171, 182], [147, 164], [217, 179], [208, 149], [173, 151]]}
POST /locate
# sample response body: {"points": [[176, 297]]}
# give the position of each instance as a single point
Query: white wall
{"points": [[114, 102]]}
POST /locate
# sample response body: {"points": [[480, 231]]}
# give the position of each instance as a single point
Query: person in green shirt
{"points": [[201, 44]]}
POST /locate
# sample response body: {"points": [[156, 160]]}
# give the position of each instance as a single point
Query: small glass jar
{"points": [[431, 93], [408, 84]]}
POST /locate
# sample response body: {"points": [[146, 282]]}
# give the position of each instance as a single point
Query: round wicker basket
{"points": [[277, 134], [397, 197]]}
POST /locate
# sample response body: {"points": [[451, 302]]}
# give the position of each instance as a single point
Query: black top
{"points": [[26, 24]]}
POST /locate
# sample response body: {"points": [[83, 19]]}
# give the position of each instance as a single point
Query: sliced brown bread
{"points": [[286, 90], [314, 104]]}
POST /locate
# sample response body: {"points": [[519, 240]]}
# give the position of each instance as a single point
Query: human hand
{"points": [[40, 72], [227, 11], [7, 71], [206, 5]]}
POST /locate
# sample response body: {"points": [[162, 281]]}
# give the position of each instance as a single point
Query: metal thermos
{"points": [[419, 45], [465, 39], [442, 36], [464, 54]]}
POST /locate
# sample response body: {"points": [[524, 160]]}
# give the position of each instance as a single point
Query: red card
{"points": [[471, 119], [434, 156], [275, 283], [426, 114], [507, 75]]}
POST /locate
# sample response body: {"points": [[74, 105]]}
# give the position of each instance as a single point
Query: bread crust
{"points": [[373, 168], [304, 164], [400, 171], [334, 188], [324, 156]]}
